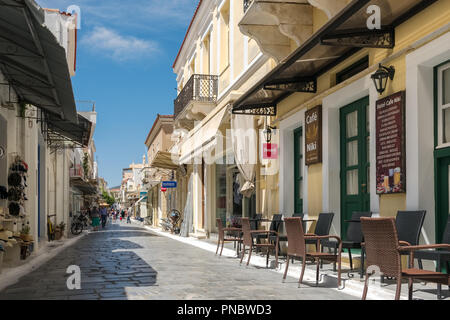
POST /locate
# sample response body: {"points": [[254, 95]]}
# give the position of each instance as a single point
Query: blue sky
{"points": [[124, 63]]}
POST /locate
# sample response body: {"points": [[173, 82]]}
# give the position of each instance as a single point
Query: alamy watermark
{"points": [[75, 11], [74, 280]]}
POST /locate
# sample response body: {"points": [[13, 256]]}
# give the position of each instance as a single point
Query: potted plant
{"points": [[25, 234], [59, 230]]}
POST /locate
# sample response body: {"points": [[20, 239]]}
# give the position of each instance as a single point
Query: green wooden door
{"points": [[442, 195], [298, 170], [355, 160]]}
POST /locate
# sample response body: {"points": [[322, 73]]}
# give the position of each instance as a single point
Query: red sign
{"points": [[390, 144], [163, 189], [270, 151]]}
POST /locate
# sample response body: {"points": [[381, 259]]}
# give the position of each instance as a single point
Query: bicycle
{"points": [[78, 224], [50, 228]]}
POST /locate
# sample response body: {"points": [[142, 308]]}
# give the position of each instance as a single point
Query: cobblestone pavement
{"points": [[129, 262]]}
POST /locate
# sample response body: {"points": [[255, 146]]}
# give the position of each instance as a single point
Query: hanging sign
{"points": [[313, 136], [2, 152], [270, 151], [390, 144], [163, 189], [169, 184]]}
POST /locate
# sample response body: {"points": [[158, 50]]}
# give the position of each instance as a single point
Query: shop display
{"points": [[17, 181]]}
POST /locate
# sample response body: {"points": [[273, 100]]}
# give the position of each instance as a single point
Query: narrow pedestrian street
{"points": [[129, 262]]}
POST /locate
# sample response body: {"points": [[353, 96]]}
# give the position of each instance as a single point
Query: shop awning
{"points": [[203, 137], [33, 61], [58, 131], [140, 200], [164, 160], [342, 36], [86, 188]]}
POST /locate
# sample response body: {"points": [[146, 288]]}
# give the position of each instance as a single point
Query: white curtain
{"points": [[187, 224], [245, 146]]}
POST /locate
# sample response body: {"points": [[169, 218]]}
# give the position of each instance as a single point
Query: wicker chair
{"points": [[248, 241], [225, 238], [383, 250], [440, 256], [297, 248]]}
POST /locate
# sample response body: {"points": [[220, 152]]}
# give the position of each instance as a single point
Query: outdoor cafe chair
{"points": [[438, 255], [247, 241], [226, 238], [384, 250], [275, 224], [353, 240], [297, 248], [322, 228], [409, 225]]}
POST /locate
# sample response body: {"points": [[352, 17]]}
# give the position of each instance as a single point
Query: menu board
{"points": [[390, 144], [313, 135]]}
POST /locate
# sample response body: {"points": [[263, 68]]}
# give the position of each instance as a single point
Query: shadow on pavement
{"points": [[108, 266]]}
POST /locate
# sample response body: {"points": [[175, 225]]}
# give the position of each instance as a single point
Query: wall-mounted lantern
{"points": [[381, 76]]}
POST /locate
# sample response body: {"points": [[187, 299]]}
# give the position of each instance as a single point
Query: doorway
{"points": [[298, 170], [442, 194], [355, 160]]}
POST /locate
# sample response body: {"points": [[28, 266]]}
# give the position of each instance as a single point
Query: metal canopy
{"points": [[342, 36], [58, 132], [33, 61]]}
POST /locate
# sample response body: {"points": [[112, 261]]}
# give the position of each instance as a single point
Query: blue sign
{"points": [[143, 194], [169, 184]]}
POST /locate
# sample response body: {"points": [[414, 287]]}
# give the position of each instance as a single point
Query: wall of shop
{"points": [[323, 183]]}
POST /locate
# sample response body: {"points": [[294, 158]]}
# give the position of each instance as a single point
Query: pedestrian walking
{"points": [[104, 216], [95, 215], [128, 218]]}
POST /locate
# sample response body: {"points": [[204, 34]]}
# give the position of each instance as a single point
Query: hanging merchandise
{"points": [[14, 209], [17, 181], [3, 193]]}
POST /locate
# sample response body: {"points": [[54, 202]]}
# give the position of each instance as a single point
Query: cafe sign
{"points": [[390, 144], [313, 136]]}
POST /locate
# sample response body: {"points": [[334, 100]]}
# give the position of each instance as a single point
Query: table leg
{"points": [[439, 286]]}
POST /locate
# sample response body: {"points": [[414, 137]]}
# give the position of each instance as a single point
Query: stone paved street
{"points": [[129, 262]]}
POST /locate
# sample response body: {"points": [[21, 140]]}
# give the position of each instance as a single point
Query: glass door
{"points": [[298, 170], [355, 160]]}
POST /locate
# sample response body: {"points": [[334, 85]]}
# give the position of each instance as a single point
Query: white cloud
{"points": [[119, 47]]}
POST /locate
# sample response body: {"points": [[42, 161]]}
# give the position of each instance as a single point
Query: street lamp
{"points": [[380, 77], [268, 133]]}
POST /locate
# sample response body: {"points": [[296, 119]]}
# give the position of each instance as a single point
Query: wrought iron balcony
{"points": [[201, 88], [247, 3]]}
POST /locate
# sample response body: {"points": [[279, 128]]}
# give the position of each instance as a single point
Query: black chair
{"points": [[274, 226], [438, 255], [409, 224], [322, 228], [255, 222], [353, 240]]}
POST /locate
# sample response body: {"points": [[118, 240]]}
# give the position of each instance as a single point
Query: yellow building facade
{"points": [[339, 57]]}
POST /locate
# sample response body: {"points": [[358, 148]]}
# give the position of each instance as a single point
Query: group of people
{"points": [[100, 216], [121, 215]]}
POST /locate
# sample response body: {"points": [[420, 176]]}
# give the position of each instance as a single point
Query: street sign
{"points": [[163, 189], [169, 184]]}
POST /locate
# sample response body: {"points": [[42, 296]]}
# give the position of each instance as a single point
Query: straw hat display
{"points": [[7, 238]]}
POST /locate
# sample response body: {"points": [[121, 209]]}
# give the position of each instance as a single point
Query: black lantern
{"points": [[268, 133], [380, 77]]}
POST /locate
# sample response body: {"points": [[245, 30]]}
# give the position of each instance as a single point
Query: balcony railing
{"points": [[247, 4], [200, 87], [76, 172]]}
